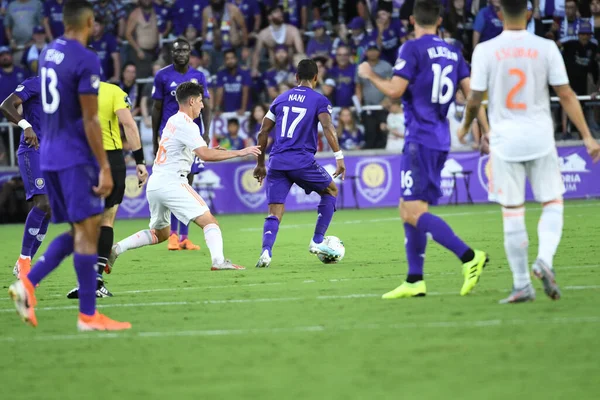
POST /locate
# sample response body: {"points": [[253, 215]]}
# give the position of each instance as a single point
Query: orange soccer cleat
{"points": [[23, 294], [173, 242], [100, 322], [187, 244], [22, 267]]}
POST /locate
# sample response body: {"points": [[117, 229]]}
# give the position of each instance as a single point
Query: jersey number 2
{"points": [[286, 111], [510, 103], [49, 77]]}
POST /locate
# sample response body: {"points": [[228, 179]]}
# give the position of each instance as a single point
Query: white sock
{"points": [[550, 231], [516, 244], [214, 242], [140, 239]]}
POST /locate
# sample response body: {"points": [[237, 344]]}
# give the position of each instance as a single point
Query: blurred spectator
{"points": [[254, 122], [565, 28], [595, 19], [129, 86], [283, 87], [282, 71], [142, 35], [459, 22], [252, 16], [193, 36], [3, 39], [186, 13], [322, 73], [277, 34], [359, 39], [340, 84], [163, 15], [320, 43], [114, 15], [487, 24], [368, 95], [53, 17], [223, 27], [32, 53], [350, 135], [21, 17], [389, 33], [232, 141], [232, 86], [295, 12], [400, 9], [336, 12], [395, 127], [146, 112], [10, 75], [341, 39], [107, 48]]}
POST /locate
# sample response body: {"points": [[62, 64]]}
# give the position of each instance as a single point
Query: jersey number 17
{"points": [[301, 112]]}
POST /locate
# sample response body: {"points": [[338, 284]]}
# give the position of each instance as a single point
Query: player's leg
{"points": [[184, 241], [173, 244], [548, 188], [41, 202]]}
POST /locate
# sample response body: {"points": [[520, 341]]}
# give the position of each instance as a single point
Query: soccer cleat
{"points": [[264, 261], [226, 265], [522, 295], [546, 274], [472, 271], [22, 267], [101, 290], [100, 322], [322, 248], [173, 243], [23, 295], [188, 245], [417, 289], [112, 258]]}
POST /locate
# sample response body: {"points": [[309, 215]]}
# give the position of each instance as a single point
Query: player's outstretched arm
{"points": [[156, 117], [331, 136], [10, 109], [472, 110], [393, 88], [206, 154]]}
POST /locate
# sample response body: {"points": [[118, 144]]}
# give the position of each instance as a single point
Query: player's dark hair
{"points": [[229, 51], [233, 121], [513, 8], [182, 41], [186, 90], [307, 70], [275, 8], [74, 11], [427, 12]]}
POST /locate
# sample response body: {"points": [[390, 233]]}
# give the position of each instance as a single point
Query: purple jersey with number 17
{"points": [[296, 115], [434, 70]]}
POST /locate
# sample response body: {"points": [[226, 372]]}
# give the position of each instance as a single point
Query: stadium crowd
{"points": [[248, 49]]}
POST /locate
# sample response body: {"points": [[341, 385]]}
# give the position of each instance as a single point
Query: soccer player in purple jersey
{"points": [[27, 94], [427, 74], [74, 166], [165, 106], [295, 116]]}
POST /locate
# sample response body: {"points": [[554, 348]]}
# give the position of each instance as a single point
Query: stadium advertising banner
{"points": [[371, 181]]}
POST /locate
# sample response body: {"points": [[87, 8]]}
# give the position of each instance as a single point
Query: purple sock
{"points": [[270, 233], [325, 209], [32, 228], [183, 231], [40, 236], [85, 267], [442, 233], [415, 243], [174, 224], [59, 249]]}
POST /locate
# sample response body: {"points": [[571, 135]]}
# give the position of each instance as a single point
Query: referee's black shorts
{"points": [[116, 159]]}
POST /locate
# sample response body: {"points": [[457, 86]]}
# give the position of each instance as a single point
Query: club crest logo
{"points": [[374, 178], [194, 80], [134, 199], [247, 188], [40, 183], [484, 172]]}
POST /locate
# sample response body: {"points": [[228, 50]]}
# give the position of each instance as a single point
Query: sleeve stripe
{"points": [[271, 116]]}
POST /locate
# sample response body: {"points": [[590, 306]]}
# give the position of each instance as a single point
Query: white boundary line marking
{"points": [[306, 329]]}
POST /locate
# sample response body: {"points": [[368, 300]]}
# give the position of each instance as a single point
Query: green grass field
{"points": [[303, 330]]}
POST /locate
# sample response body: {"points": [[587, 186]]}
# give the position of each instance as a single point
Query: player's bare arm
{"points": [[331, 136], [571, 105], [393, 88], [206, 115], [206, 154], [156, 117], [93, 133], [10, 109], [133, 138], [472, 110], [260, 172]]}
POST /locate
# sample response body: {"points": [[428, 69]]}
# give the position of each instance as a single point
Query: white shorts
{"points": [[507, 180], [178, 198]]}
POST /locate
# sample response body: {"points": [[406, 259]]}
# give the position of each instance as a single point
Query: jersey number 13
{"points": [[49, 82]]}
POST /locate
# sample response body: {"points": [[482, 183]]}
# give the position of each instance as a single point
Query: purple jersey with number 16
{"points": [[434, 70], [68, 70], [292, 158]]}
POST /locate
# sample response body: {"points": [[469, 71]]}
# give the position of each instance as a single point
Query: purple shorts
{"points": [[312, 179], [29, 165], [70, 193], [420, 175]]}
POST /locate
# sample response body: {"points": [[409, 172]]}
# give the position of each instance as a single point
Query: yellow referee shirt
{"points": [[110, 99]]}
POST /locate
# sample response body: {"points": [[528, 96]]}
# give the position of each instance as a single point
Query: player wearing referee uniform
{"points": [[114, 107]]}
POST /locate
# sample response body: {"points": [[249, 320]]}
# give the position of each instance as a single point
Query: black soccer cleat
{"points": [[101, 290]]}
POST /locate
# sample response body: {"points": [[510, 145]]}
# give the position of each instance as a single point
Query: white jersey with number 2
{"points": [[516, 68]]}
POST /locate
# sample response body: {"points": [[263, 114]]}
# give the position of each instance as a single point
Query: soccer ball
{"points": [[336, 244]]}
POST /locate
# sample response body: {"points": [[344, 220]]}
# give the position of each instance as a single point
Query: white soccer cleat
{"points": [[226, 265], [323, 249], [112, 258], [264, 261]]}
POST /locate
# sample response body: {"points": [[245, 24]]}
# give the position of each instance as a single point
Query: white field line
{"points": [[308, 329], [391, 219], [260, 300]]}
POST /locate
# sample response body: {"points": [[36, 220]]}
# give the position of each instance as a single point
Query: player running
{"points": [[168, 189], [165, 106], [516, 68], [427, 74], [74, 166], [295, 115], [27, 95], [114, 108]]}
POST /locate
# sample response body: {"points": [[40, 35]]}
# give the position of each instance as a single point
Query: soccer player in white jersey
{"points": [[168, 190], [516, 68]]}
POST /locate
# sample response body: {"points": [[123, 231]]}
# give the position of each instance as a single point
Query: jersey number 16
{"points": [[442, 89]]}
